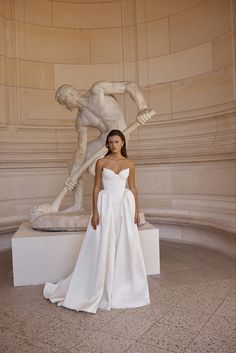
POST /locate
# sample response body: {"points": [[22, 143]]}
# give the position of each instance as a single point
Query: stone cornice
{"points": [[204, 219]]}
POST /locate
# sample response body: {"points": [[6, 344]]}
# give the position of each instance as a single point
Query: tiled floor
{"points": [[192, 310]]}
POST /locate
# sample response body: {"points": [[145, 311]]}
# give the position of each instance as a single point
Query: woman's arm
{"points": [[96, 189], [132, 187]]}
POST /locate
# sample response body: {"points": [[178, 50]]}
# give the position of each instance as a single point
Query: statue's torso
{"points": [[102, 113]]}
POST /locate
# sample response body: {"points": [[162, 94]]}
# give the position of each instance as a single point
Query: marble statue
{"points": [[97, 108]]}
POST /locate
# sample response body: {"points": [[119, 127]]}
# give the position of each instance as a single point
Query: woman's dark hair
{"points": [[122, 136]]}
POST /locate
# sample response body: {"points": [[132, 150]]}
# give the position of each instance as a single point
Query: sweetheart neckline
{"points": [[115, 172]]}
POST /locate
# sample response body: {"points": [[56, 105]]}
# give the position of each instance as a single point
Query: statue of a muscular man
{"points": [[99, 109]]}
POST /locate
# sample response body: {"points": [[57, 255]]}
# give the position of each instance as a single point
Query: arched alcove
{"points": [[180, 53]]}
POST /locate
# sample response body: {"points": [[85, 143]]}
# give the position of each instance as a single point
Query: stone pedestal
{"points": [[40, 256]]}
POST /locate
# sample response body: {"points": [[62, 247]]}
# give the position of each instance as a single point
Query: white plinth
{"points": [[40, 257]]}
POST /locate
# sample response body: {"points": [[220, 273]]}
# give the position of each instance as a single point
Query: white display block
{"points": [[40, 257]]}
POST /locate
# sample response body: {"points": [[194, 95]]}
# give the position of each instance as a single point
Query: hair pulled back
{"points": [[122, 136]]}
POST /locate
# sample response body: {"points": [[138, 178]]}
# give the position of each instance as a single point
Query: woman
{"points": [[109, 272]]}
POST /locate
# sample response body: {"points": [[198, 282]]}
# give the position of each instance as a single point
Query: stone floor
{"points": [[192, 310]]}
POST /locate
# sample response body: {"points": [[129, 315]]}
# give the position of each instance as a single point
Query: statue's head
{"points": [[66, 95]]}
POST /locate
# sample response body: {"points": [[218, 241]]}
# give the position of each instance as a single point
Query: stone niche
{"points": [[182, 56]]}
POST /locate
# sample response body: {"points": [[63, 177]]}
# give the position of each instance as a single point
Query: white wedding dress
{"points": [[109, 272]]}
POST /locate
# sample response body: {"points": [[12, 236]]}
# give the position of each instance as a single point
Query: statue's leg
{"points": [[93, 147], [78, 195]]}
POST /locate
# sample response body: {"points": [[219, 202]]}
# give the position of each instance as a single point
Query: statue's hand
{"points": [[70, 183], [144, 116]]}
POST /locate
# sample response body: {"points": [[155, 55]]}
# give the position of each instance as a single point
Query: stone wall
{"points": [[182, 55]]}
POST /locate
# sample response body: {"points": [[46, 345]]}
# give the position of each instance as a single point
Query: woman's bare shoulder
{"points": [[101, 159], [100, 162], [131, 163]]}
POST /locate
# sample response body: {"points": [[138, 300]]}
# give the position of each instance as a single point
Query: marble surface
{"points": [[52, 255], [192, 310]]}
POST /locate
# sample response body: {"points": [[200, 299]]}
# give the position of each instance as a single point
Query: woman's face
{"points": [[115, 143]]}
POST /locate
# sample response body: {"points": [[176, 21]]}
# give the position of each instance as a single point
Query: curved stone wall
{"points": [[187, 67], [182, 55]]}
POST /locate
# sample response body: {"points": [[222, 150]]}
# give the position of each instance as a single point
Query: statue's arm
{"points": [[115, 87]]}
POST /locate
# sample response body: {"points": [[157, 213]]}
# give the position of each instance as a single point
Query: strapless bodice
{"points": [[115, 184], [112, 180]]}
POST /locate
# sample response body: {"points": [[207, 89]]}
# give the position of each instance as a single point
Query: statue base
{"points": [[62, 221], [66, 221], [40, 257]]}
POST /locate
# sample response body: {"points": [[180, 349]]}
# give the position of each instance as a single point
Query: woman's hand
{"points": [[95, 220], [136, 218]]}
